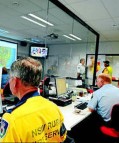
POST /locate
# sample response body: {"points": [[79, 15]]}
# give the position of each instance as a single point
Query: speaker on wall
{"points": [[23, 43]]}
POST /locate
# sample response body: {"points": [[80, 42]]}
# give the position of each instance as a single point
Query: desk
{"points": [[77, 89], [70, 117]]}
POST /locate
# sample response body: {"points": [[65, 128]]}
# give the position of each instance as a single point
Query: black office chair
{"points": [[111, 133], [6, 90], [69, 140], [7, 94], [44, 87]]}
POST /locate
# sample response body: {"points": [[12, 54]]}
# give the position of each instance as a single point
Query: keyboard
{"points": [[82, 105]]}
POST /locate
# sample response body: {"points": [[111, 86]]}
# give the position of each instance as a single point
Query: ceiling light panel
{"points": [[75, 36], [38, 18], [24, 17], [69, 37]]}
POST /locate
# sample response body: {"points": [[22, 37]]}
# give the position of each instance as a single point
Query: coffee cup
{"points": [[81, 93]]}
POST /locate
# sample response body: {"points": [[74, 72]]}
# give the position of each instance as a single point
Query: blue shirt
{"points": [[104, 99]]}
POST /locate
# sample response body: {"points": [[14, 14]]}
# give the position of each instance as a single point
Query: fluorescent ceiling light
{"points": [[41, 19], [69, 37], [33, 21], [75, 36], [30, 40]]}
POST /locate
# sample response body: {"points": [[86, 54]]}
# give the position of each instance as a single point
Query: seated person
{"points": [[101, 105], [33, 113], [104, 98], [5, 77]]}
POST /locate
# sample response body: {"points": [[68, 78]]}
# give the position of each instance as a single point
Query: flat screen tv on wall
{"points": [[38, 52], [8, 53]]}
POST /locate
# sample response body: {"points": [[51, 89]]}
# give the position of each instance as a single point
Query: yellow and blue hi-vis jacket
{"points": [[34, 119]]}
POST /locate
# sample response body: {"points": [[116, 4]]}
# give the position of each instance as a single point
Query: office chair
{"points": [[111, 134], [44, 87], [69, 140], [6, 90]]}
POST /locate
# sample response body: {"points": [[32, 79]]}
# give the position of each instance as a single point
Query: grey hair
{"points": [[28, 70]]}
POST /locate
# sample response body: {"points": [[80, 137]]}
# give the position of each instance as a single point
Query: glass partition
{"points": [[49, 23], [67, 37], [113, 62], [65, 50]]}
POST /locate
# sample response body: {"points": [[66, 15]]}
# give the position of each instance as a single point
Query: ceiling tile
{"points": [[92, 9], [112, 7]]}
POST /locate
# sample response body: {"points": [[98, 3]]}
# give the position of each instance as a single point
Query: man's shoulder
{"points": [[109, 67], [97, 91], [79, 64], [109, 87]]}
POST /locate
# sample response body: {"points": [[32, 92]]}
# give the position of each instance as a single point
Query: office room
{"points": [[64, 32]]}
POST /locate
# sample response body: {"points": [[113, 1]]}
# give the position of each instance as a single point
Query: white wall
{"points": [[109, 48], [63, 59], [23, 50]]}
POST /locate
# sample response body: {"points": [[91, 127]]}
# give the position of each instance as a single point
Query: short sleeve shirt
{"points": [[104, 99]]}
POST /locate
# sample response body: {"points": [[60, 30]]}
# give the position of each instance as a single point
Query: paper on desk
{"points": [[78, 82], [84, 98]]}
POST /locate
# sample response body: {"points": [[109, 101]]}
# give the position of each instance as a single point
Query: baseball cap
{"points": [[106, 62]]}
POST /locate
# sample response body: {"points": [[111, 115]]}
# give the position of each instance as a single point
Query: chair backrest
{"points": [[115, 117], [6, 90], [46, 81]]}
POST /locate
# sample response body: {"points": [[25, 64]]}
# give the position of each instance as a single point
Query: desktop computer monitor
{"points": [[62, 99], [61, 86]]}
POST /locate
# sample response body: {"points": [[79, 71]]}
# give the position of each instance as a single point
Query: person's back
{"points": [[105, 97], [34, 122]]}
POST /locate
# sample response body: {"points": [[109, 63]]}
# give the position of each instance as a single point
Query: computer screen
{"points": [[8, 53], [61, 86]]}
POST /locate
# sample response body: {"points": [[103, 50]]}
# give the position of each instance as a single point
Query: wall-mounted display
{"points": [[38, 52], [8, 53]]}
